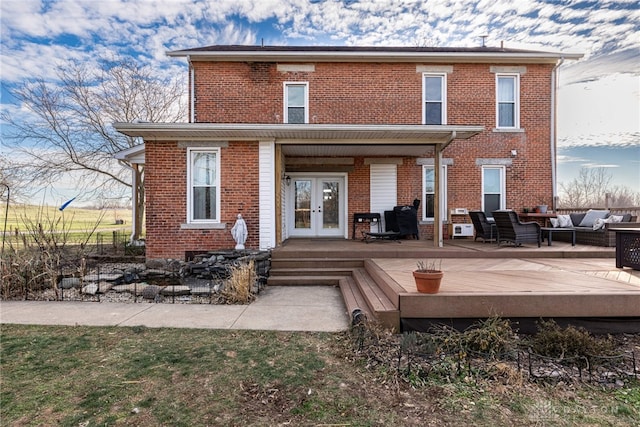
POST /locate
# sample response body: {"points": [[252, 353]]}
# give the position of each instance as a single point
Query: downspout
{"points": [[554, 123], [192, 92]]}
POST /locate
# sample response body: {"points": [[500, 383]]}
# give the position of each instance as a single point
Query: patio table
{"points": [[550, 230]]}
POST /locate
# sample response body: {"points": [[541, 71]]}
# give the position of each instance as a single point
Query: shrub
{"points": [[569, 343]]}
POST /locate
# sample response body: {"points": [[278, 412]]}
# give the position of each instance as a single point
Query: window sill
{"points": [[204, 226], [430, 222], [508, 130]]}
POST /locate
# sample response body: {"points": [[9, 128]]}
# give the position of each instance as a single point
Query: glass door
{"points": [[318, 207]]}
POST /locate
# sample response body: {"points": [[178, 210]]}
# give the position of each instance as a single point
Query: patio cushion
{"points": [[599, 223], [564, 221], [591, 216], [576, 218]]}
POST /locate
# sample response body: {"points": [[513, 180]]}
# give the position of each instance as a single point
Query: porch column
{"points": [[437, 202], [267, 194]]}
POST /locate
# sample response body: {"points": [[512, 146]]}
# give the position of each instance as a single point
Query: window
{"points": [[434, 99], [296, 103], [429, 187], [493, 189], [204, 176], [508, 100]]}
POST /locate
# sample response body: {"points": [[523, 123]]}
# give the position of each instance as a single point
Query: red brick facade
{"points": [[373, 93]]}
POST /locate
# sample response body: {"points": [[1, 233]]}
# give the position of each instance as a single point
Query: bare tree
{"points": [[593, 188], [69, 131]]}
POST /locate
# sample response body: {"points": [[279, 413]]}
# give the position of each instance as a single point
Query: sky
{"points": [[598, 96]]}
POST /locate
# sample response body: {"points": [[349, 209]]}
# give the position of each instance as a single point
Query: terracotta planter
{"points": [[428, 282]]}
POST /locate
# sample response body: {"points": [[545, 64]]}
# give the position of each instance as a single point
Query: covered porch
{"points": [[577, 284]]}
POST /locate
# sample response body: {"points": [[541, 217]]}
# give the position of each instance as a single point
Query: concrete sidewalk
{"points": [[309, 308]]}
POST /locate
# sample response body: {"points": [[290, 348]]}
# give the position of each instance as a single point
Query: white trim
{"points": [[442, 193], [443, 94], [516, 100], [266, 195], [315, 229], [218, 186], [503, 186], [285, 100]]}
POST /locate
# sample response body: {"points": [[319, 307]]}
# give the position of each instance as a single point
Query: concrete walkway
{"points": [[309, 308]]}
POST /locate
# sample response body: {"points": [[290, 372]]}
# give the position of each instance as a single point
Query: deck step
{"points": [[364, 288], [353, 298], [278, 263], [384, 310], [304, 280], [390, 287], [277, 272]]}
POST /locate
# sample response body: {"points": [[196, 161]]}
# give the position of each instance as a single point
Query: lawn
{"points": [[71, 225], [75, 219], [147, 377]]}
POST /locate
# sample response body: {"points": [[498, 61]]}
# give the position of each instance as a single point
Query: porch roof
{"points": [[310, 138]]}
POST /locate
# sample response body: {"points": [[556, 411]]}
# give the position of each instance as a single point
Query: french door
{"points": [[316, 207]]}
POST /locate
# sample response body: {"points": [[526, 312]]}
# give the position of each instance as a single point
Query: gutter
{"points": [[371, 56], [192, 92], [554, 123]]}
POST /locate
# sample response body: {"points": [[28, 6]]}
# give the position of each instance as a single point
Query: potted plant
{"points": [[428, 276]]}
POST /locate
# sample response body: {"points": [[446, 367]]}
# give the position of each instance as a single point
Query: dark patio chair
{"points": [[485, 230], [510, 229]]}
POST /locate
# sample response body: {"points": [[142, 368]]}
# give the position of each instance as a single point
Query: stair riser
{"points": [[303, 281], [316, 263], [309, 272]]}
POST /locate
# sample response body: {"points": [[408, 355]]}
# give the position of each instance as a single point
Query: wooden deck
{"points": [[481, 279]]}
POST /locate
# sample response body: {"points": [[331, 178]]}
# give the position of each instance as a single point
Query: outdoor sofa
{"points": [[593, 227]]}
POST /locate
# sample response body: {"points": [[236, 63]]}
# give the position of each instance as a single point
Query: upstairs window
{"points": [[434, 99], [204, 176], [508, 100], [296, 108]]}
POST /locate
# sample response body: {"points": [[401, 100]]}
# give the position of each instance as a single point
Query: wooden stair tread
{"points": [[310, 271], [353, 298], [377, 299], [304, 280]]}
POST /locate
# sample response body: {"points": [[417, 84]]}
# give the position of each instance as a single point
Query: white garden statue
{"points": [[239, 232]]}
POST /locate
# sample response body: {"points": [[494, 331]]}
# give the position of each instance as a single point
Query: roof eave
{"points": [[332, 56]]}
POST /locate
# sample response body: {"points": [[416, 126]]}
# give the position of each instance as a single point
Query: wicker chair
{"points": [[510, 229], [485, 230]]}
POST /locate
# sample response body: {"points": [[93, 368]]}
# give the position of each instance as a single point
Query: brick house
{"points": [[298, 139]]}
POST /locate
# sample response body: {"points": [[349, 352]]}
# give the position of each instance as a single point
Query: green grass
{"points": [[77, 220], [141, 376]]}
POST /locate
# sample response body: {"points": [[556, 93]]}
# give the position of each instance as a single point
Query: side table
{"points": [[627, 247]]}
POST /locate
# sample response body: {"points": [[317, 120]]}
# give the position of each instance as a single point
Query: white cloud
{"points": [[598, 102]]}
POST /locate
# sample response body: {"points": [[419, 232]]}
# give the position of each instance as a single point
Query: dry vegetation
{"points": [[42, 243], [363, 377]]}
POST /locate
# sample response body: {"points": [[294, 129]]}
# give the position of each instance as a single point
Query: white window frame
{"points": [[503, 187], [190, 210], [443, 192], [443, 96], [286, 86], [516, 100]]}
